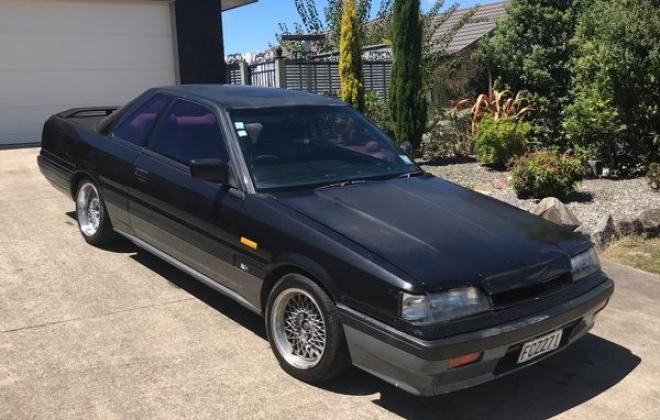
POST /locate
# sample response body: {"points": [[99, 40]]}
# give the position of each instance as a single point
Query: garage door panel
{"points": [[85, 17], [21, 121], [60, 54], [78, 87], [33, 51]]}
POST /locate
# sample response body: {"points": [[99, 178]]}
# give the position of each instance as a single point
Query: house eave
{"points": [[232, 4]]}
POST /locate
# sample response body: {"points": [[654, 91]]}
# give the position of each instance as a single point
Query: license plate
{"points": [[539, 346]]}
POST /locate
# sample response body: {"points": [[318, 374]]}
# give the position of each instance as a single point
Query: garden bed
{"points": [[594, 198]]}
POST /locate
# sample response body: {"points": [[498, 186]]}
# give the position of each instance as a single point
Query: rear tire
{"points": [[304, 331], [93, 221]]}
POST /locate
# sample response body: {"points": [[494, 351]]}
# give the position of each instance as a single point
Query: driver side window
{"points": [[189, 131]]}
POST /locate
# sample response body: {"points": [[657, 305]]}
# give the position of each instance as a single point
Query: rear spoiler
{"points": [[94, 111]]}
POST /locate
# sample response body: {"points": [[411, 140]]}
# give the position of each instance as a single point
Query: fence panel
{"points": [[233, 73], [318, 76], [263, 74], [323, 76], [377, 76]]}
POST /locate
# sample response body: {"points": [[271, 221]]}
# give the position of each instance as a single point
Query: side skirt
{"points": [[191, 271]]}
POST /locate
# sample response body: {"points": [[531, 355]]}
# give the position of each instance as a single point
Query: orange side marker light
{"points": [[249, 243], [463, 360]]}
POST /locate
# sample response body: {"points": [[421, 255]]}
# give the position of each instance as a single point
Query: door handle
{"points": [[141, 174]]}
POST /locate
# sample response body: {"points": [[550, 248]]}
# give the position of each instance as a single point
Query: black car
{"points": [[301, 210]]}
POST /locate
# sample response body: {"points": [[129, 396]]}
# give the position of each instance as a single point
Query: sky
{"points": [[253, 27]]}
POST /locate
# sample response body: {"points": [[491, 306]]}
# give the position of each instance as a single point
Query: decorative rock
{"points": [[650, 220], [584, 231], [627, 227], [604, 233], [552, 209]]}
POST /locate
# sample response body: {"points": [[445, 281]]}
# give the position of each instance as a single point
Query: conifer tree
{"points": [[350, 57], [407, 101]]}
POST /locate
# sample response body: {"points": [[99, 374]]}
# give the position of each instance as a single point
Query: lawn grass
{"points": [[641, 253]]}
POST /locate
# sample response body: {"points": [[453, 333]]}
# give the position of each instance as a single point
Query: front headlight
{"points": [[445, 306], [585, 264]]}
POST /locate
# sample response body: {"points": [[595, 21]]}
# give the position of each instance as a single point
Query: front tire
{"points": [[304, 330], [93, 221]]}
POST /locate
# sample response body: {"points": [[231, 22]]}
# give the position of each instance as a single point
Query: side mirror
{"points": [[213, 170]]}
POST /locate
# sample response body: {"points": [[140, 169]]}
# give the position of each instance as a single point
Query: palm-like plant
{"points": [[498, 105]]}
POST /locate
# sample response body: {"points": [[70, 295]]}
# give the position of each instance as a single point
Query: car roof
{"points": [[242, 97]]}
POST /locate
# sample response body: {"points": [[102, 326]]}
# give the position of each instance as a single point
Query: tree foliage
{"points": [[530, 52], [407, 101], [434, 42], [376, 25], [350, 57], [328, 22], [616, 83]]}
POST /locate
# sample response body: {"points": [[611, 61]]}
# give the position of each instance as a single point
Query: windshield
{"points": [[289, 147]]}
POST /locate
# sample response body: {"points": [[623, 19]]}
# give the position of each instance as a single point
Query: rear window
{"points": [[136, 128]]}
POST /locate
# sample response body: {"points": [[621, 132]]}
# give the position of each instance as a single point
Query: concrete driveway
{"points": [[116, 333]]}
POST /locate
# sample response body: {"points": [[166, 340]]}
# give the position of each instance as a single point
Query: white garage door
{"points": [[60, 54]]}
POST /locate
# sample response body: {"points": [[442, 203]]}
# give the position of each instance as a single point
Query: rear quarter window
{"points": [[137, 127]]}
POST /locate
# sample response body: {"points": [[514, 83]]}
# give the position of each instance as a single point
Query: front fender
{"points": [[302, 263]]}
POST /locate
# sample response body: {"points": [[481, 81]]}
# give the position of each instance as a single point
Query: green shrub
{"points": [[530, 51], [653, 175], [448, 136], [593, 126], [546, 174], [497, 141], [377, 111], [614, 69]]}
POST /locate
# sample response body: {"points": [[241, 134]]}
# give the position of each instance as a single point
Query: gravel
{"points": [[593, 199]]}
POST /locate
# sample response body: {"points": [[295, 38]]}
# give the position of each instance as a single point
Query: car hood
{"points": [[442, 235]]}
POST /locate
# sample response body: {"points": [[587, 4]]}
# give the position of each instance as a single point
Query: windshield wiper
{"points": [[410, 174], [342, 184]]}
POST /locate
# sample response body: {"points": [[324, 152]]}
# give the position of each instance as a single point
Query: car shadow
{"points": [[228, 307], [586, 369]]}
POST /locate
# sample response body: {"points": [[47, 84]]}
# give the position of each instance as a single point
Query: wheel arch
{"points": [[76, 178], [298, 265]]}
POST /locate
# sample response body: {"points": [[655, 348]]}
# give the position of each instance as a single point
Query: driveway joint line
{"points": [[47, 324]]}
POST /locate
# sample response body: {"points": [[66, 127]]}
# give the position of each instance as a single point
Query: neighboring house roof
{"points": [[482, 23]]}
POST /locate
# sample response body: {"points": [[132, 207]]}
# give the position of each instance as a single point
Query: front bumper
{"points": [[420, 366]]}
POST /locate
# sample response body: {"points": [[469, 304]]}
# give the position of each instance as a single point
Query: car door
{"points": [[191, 220], [116, 154]]}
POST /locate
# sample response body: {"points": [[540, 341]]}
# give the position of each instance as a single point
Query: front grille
{"points": [[534, 291]]}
